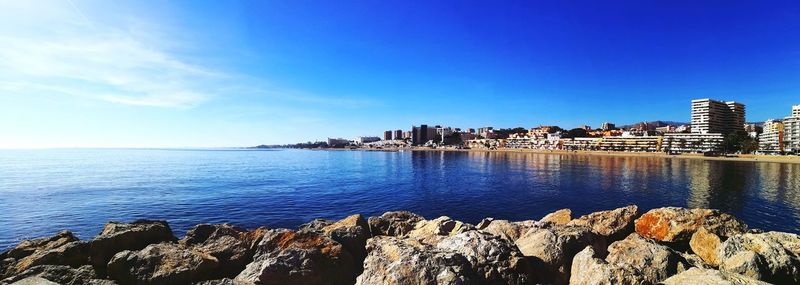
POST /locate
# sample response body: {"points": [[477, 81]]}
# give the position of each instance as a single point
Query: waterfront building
{"points": [[419, 135], [337, 142], [486, 132], [692, 142], [540, 131], [712, 116], [771, 140], [387, 135], [485, 144], [407, 135], [363, 140], [398, 135], [791, 127], [666, 129], [608, 126], [683, 129]]}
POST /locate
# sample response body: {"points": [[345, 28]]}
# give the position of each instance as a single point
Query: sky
{"points": [[154, 73]]}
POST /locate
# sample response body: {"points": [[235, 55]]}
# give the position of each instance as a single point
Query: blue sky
{"points": [[225, 73]]}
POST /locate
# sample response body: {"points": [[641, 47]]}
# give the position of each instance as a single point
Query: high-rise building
{"points": [[398, 135], [791, 129], [419, 135], [712, 116], [607, 126], [771, 140], [486, 132], [387, 135]]}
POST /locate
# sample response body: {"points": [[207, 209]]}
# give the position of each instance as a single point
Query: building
{"points": [[712, 116], [363, 140], [486, 132], [666, 129], [607, 126], [540, 132], [791, 129], [332, 142], [692, 143], [771, 140], [422, 134], [398, 135], [586, 127], [387, 135]]}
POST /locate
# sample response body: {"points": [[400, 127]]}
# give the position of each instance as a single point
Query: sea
{"points": [[45, 191]]}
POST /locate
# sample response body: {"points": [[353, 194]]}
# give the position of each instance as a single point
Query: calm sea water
{"points": [[43, 191]]}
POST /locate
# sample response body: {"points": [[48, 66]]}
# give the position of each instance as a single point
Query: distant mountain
{"points": [[657, 124]]}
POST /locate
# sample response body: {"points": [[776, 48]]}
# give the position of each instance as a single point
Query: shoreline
{"points": [[739, 158]]}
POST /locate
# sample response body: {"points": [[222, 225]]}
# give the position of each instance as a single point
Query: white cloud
{"points": [[66, 51]]}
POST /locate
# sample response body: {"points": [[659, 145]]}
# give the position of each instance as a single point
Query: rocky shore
{"points": [[621, 246]]}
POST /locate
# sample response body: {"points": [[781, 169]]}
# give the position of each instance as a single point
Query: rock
{"points": [[494, 260], [433, 231], [781, 266], [746, 263], [587, 269], [555, 247], [395, 261], [35, 281], [393, 223], [117, 237], [613, 225], [223, 281], [677, 225], [61, 249], [352, 232], [560, 217], [705, 244], [58, 274], [790, 242], [288, 257], [233, 247], [710, 277], [163, 263], [652, 261], [694, 260], [504, 228], [315, 225]]}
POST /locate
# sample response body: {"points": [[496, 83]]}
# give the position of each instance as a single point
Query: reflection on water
{"points": [[44, 191]]}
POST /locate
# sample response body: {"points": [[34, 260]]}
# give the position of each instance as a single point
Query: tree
{"points": [[555, 129], [576, 133], [739, 141]]}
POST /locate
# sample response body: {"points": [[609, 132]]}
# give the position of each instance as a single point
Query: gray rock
{"points": [[702, 276], [395, 261], [493, 259], [393, 223], [34, 281], [315, 225], [613, 225], [61, 249], [746, 263], [59, 274], [164, 263], [652, 261], [554, 247], [352, 232], [432, 231], [117, 237], [782, 266], [233, 247], [223, 281], [287, 257], [589, 269], [505, 229]]}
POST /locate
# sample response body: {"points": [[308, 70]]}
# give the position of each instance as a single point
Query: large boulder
{"points": [[432, 231], [57, 274], [287, 257], [770, 259], [677, 225], [117, 237], [560, 217], [164, 263], [396, 223], [554, 247], [232, 246], [494, 260], [649, 260], [613, 225], [352, 232], [588, 269], [395, 261], [61, 249], [702, 276], [705, 244]]}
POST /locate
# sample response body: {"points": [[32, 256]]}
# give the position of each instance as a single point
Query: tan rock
{"points": [[651, 261], [397, 223], [702, 276], [705, 244], [590, 270], [117, 237], [396, 261], [432, 231], [352, 232], [163, 263], [494, 260], [61, 249], [232, 246], [505, 229], [614, 224], [746, 263], [560, 217], [677, 225], [556, 246], [780, 265]]}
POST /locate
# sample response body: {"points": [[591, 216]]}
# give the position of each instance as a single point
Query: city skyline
{"points": [[86, 73]]}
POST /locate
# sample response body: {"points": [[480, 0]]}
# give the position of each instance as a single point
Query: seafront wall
{"points": [[620, 246]]}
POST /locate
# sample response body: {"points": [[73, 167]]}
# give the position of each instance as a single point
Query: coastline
{"points": [[741, 157]]}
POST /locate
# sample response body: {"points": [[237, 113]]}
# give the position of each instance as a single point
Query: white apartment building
{"points": [[771, 140], [791, 127], [692, 142], [712, 116]]}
